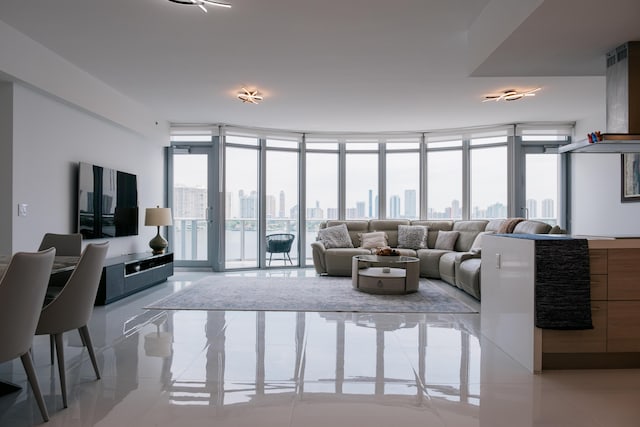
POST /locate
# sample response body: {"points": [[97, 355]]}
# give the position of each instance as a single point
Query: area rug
{"points": [[304, 294]]}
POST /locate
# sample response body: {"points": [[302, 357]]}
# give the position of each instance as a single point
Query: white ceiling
{"points": [[341, 65]]}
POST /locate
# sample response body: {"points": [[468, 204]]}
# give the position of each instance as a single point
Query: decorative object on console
{"points": [[158, 217]]}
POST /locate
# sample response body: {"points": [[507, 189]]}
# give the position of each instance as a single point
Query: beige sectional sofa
{"points": [[459, 266]]}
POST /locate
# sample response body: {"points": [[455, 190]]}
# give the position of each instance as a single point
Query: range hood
{"points": [[623, 105]]}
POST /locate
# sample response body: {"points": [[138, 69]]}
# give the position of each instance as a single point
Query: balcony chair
{"points": [[22, 291], [280, 244], [73, 306]]}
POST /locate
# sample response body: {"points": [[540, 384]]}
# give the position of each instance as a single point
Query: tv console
{"points": [[128, 274]]}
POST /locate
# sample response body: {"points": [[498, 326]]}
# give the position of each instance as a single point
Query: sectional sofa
{"points": [[456, 261]]}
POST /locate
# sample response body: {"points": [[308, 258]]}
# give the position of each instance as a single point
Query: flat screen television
{"points": [[107, 202]]}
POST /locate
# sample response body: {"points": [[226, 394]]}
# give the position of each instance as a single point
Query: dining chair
{"points": [[22, 291], [65, 244], [73, 306]]}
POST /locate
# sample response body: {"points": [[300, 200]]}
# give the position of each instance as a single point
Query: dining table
{"points": [[60, 271]]}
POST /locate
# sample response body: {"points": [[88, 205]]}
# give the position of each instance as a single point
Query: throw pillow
{"points": [[508, 225], [446, 240], [375, 239], [476, 246], [335, 237], [412, 236]]}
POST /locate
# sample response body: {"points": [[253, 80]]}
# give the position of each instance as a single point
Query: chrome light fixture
{"points": [[250, 96], [201, 3], [511, 95]]}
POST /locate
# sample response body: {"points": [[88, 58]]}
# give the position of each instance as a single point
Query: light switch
{"points": [[22, 209], [498, 261]]}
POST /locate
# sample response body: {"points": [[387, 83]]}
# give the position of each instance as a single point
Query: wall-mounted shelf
{"points": [[612, 143]]}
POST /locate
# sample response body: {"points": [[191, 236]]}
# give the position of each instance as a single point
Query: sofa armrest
{"points": [[463, 256], [318, 250]]}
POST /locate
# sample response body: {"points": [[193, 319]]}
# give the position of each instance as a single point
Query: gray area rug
{"points": [[304, 294]]}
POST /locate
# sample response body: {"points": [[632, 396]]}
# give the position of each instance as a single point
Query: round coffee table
{"points": [[385, 274]]}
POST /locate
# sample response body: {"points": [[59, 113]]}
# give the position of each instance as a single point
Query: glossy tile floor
{"points": [[194, 368]]}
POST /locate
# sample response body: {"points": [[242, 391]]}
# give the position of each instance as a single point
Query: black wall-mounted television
{"points": [[107, 202]]}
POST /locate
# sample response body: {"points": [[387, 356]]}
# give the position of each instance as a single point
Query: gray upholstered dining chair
{"points": [[65, 244], [73, 306], [22, 292]]}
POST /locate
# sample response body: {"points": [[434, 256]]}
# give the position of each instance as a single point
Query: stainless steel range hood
{"points": [[623, 105]]}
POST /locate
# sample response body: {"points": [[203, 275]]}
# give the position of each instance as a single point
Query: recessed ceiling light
{"points": [[202, 3], [250, 96], [511, 95]]}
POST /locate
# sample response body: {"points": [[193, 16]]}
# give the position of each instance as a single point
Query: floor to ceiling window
{"points": [[488, 174], [322, 187], [444, 178], [361, 180], [241, 201], [403, 179], [281, 198]]}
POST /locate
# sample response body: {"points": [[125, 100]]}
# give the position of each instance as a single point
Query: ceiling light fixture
{"points": [[250, 96], [202, 3], [511, 95]]}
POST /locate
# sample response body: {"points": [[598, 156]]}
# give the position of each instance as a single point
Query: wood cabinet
{"points": [[508, 301]]}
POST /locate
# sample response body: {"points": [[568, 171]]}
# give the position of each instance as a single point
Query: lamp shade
{"points": [[157, 216]]}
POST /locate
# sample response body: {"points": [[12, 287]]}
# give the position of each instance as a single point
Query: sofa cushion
{"points": [[372, 240], [508, 225], [335, 237], [389, 226], [412, 236], [434, 227], [532, 227], [446, 240], [355, 227]]}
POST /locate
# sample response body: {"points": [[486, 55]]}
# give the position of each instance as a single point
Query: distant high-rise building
{"points": [[271, 206], [548, 208], [332, 213], [410, 204], [360, 210], [456, 211], [189, 202], [229, 206], [281, 211], [375, 208], [497, 210], [293, 212], [248, 204], [370, 204], [394, 206], [532, 208], [352, 213]]}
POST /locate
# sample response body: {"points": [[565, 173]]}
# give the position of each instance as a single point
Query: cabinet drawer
{"points": [[599, 287], [624, 270], [624, 326], [582, 341], [598, 261]]}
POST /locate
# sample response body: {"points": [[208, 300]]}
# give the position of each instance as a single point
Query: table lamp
{"points": [[158, 217]]}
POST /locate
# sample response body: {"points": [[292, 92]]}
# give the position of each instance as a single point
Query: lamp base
{"points": [[158, 244]]}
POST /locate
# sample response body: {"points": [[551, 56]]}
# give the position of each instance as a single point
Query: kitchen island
{"points": [[509, 278]]}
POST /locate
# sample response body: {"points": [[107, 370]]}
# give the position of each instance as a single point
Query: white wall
{"points": [[6, 165], [50, 137], [595, 203]]}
